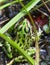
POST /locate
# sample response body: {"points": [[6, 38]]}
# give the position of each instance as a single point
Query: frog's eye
{"points": [[19, 28], [27, 29], [24, 23]]}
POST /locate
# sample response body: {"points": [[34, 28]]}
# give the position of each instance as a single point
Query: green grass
{"points": [[14, 20]]}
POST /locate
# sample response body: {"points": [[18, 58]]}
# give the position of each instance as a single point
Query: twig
{"points": [[11, 62], [43, 12], [46, 6], [39, 6], [2, 22], [37, 52]]}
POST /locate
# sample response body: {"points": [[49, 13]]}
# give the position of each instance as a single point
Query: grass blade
{"points": [[15, 45], [29, 6]]}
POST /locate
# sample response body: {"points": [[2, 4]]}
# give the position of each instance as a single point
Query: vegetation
{"points": [[17, 35]]}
